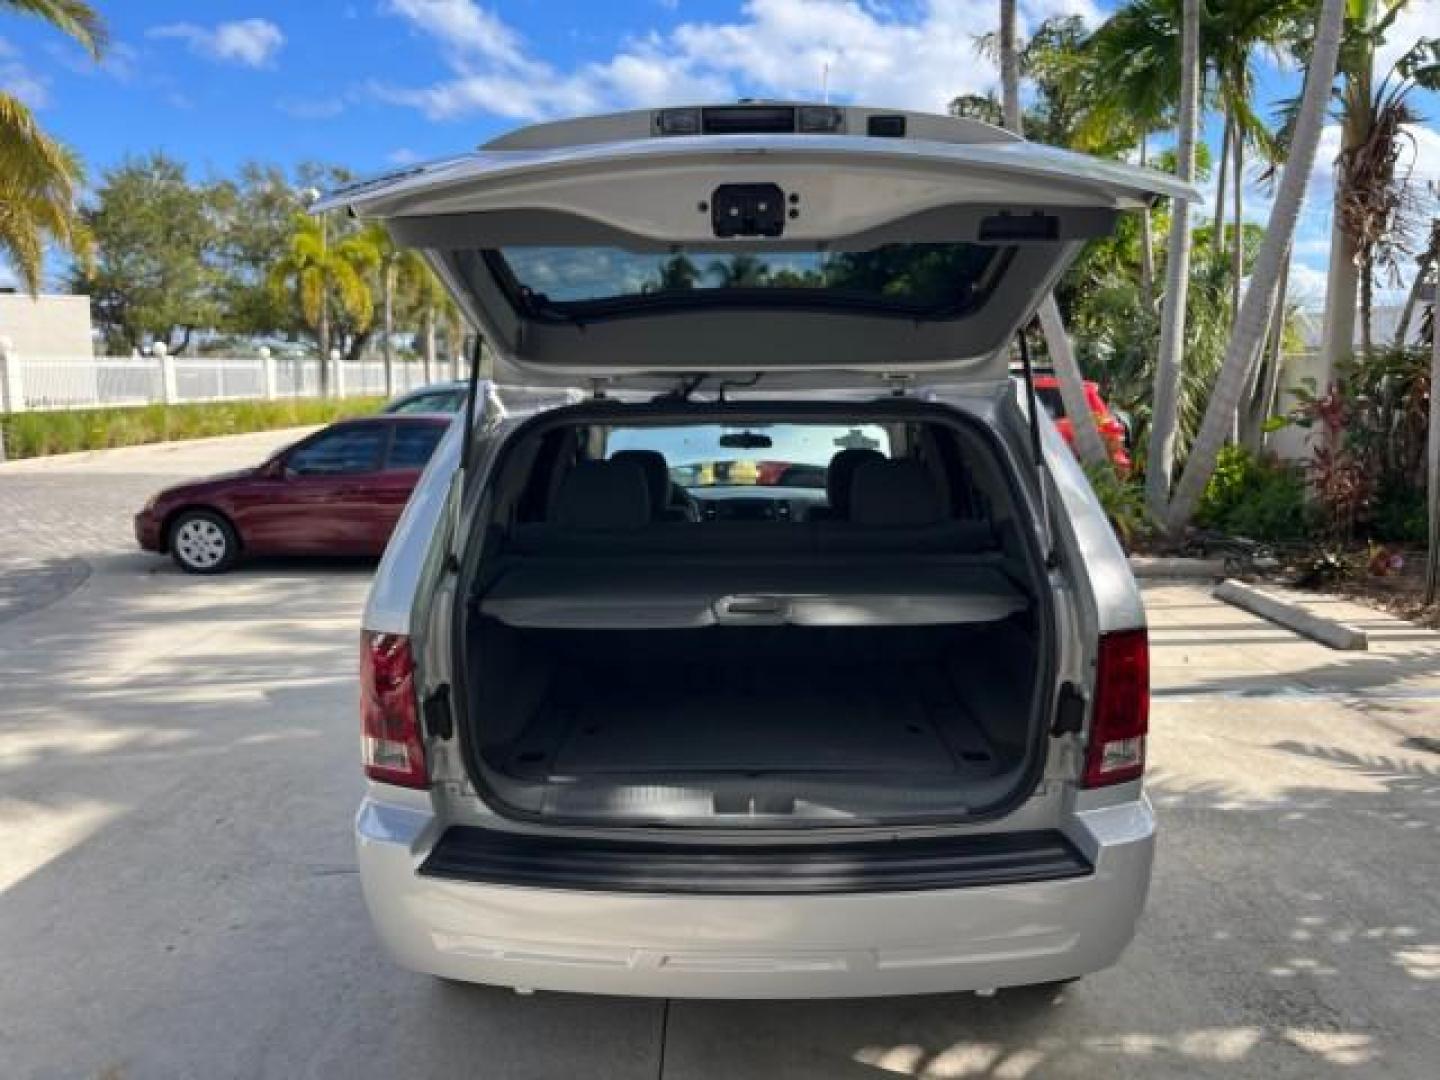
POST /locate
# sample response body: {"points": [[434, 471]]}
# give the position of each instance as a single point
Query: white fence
{"points": [[90, 382]]}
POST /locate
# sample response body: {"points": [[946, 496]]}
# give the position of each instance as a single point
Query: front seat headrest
{"points": [[894, 493], [840, 475], [657, 474], [603, 495]]}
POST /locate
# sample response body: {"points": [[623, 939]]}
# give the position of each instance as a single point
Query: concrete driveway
{"points": [[178, 896]]}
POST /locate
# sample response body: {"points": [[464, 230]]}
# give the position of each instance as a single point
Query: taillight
{"points": [[1121, 715], [389, 720]]}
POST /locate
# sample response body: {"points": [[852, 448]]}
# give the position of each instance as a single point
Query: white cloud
{"points": [[1416, 20], [248, 42], [19, 81], [402, 156], [916, 55]]}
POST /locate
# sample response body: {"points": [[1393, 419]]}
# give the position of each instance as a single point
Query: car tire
{"points": [[203, 542]]}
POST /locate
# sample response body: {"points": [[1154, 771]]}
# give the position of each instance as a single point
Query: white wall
{"points": [[46, 325]]}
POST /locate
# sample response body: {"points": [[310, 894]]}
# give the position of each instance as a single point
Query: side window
{"points": [[349, 450], [412, 445]]}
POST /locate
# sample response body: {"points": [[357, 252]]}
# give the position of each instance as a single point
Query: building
{"points": [[46, 326]]}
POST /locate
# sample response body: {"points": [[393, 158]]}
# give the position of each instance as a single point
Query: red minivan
{"points": [[338, 492]]}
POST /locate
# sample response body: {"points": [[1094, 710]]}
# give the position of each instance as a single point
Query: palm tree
{"points": [[39, 178], [434, 307], [1369, 125], [1254, 314], [1089, 447], [739, 271], [399, 271], [1170, 361], [320, 272]]}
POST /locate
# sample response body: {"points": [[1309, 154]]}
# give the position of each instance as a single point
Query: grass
{"points": [[35, 434]]}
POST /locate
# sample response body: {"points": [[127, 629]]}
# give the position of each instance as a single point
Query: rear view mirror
{"points": [[746, 440]]}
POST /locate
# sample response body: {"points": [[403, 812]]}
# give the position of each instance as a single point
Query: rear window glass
{"points": [[441, 401], [758, 455], [413, 444], [926, 280]]}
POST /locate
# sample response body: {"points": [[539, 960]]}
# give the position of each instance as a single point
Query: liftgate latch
{"points": [[1069, 711]]}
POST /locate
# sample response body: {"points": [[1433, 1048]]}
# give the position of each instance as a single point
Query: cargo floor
{"points": [[791, 717]]}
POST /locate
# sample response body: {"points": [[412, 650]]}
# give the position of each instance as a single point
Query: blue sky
{"points": [[375, 83]]}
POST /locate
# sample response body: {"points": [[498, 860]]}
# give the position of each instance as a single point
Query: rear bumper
{"points": [[674, 944]]}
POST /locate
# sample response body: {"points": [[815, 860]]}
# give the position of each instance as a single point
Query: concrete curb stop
{"points": [[1153, 567], [1292, 615]]}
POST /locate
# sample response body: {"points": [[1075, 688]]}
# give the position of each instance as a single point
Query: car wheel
{"points": [[203, 542]]}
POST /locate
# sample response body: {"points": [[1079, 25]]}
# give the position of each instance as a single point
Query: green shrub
{"points": [[35, 434], [1256, 498], [1399, 514], [1123, 501]]}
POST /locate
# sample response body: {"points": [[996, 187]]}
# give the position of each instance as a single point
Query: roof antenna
{"points": [[825, 83]]}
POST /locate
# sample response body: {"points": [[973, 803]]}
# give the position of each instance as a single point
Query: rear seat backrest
{"points": [[839, 482], [894, 494], [657, 480], [604, 496]]}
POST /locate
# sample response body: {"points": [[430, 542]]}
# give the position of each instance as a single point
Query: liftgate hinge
{"points": [[439, 721], [1069, 711]]}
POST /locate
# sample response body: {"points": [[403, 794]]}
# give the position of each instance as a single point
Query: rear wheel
{"points": [[203, 542]]}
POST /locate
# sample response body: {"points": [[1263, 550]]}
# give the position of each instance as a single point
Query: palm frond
{"points": [[75, 18]]}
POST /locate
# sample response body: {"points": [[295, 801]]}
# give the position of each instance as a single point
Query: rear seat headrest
{"points": [[657, 473], [894, 493], [840, 474], [603, 495]]}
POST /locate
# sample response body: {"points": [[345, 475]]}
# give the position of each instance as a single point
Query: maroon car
{"points": [[338, 492]]}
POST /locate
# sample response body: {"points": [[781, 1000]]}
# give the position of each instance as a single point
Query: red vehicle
{"points": [[337, 492], [1115, 433]]}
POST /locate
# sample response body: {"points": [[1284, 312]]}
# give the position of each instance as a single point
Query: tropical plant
{"points": [[319, 271], [1123, 502], [1372, 118], [1253, 317], [1255, 497], [1089, 447], [40, 178]]}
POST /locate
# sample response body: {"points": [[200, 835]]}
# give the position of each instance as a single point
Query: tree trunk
{"points": [[1089, 446], [387, 286], [1169, 362], [1432, 455], [1270, 387], [1367, 304], [1217, 237], [1237, 246], [1342, 281], [1254, 309], [1254, 406], [1423, 264], [429, 344], [1147, 241], [1237, 239], [1009, 67], [322, 338]]}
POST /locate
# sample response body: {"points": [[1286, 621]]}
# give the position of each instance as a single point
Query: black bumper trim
{"points": [[467, 853]]}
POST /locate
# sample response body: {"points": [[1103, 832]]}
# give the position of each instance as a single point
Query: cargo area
{"points": [[872, 652]]}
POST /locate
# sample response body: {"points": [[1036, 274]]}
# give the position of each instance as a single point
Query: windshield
{"points": [[797, 455], [915, 280]]}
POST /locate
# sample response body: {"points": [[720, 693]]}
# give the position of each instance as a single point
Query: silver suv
{"points": [[797, 659]]}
